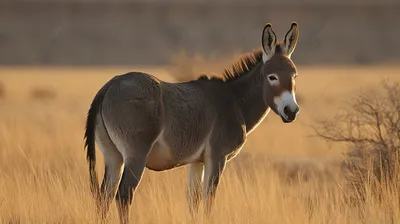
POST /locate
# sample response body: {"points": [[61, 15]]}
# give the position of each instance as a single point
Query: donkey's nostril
{"points": [[297, 110], [286, 110]]}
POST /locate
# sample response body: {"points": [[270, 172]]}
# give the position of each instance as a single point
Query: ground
{"points": [[44, 176]]}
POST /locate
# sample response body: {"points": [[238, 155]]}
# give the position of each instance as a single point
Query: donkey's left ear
{"points": [[290, 41]]}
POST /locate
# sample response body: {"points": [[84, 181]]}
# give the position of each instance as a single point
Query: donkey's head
{"points": [[280, 72]]}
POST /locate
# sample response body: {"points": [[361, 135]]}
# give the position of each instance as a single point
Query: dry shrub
{"points": [[182, 67], [185, 67], [371, 127], [43, 94]]}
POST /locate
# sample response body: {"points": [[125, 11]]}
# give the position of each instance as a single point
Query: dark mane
{"points": [[242, 67]]}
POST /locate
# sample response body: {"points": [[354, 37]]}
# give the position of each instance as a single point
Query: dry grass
{"points": [[44, 176]]}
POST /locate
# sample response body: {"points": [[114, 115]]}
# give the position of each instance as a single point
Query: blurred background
{"points": [[150, 32]]}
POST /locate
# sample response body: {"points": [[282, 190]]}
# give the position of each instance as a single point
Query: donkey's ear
{"points": [[268, 42], [290, 41]]}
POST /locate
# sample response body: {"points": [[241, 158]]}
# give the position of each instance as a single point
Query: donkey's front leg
{"points": [[214, 168], [193, 192]]}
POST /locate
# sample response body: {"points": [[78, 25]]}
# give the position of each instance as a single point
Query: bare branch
{"points": [[372, 128]]}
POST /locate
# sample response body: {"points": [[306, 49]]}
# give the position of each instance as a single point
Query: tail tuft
{"points": [[94, 110], [90, 147]]}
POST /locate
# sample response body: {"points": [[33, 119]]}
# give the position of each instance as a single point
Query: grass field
{"points": [[44, 177]]}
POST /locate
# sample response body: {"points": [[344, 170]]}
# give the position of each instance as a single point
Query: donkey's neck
{"points": [[248, 90]]}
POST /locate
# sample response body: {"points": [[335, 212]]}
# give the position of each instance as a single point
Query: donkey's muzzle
{"points": [[290, 113]]}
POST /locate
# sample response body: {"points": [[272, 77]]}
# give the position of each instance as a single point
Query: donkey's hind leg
{"points": [[109, 185], [134, 163], [112, 172]]}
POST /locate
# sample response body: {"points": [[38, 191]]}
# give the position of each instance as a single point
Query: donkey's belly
{"points": [[162, 157]]}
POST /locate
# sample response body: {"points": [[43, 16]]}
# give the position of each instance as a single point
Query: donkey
{"points": [[139, 121]]}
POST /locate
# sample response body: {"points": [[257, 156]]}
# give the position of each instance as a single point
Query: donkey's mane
{"points": [[241, 67]]}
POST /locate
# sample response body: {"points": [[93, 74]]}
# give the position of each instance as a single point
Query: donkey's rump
{"points": [[132, 112]]}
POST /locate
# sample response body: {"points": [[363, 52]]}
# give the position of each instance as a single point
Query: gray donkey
{"points": [[140, 121]]}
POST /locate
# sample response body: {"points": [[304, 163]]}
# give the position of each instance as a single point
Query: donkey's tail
{"points": [[94, 110]]}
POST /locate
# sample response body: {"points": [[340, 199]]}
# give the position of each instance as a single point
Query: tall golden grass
{"points": [[281, 176]]}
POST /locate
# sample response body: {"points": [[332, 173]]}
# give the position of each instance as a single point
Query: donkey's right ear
{"points": [[268, 42]]}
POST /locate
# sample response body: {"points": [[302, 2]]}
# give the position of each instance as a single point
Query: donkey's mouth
{"points": [[286, 120]]}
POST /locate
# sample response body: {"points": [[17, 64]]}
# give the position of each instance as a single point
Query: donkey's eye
{"points": [[272, 78]]}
